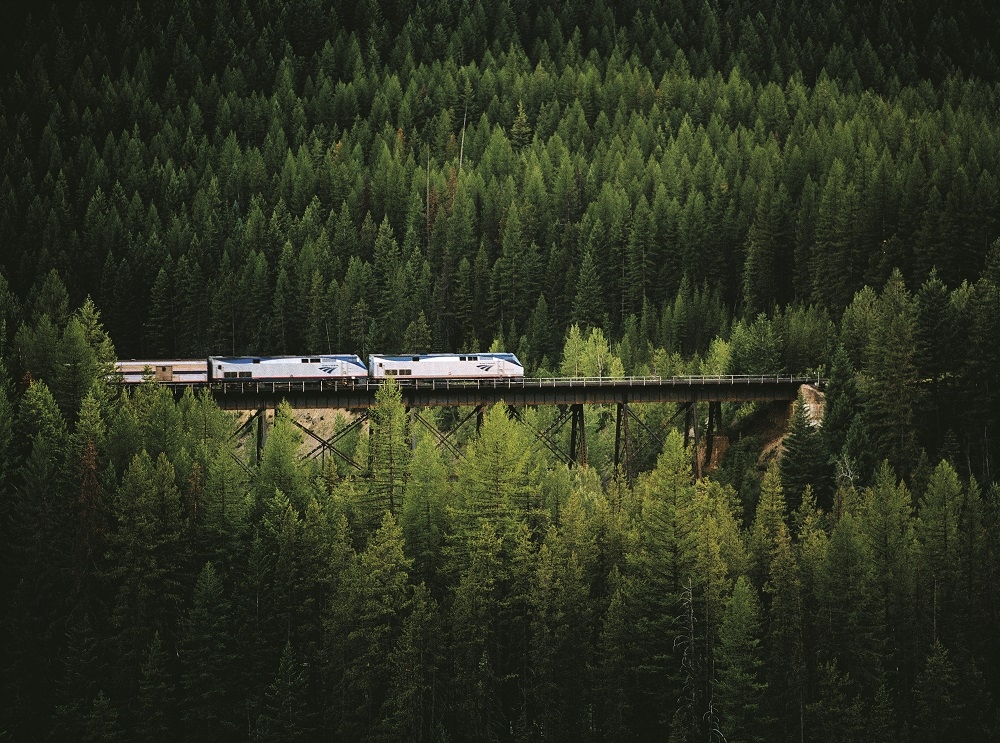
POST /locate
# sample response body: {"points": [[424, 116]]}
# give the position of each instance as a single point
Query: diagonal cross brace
{"points": [[325, 444], [544, 436], [442, 439]]}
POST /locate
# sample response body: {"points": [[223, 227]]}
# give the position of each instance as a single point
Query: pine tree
{"points": [[388, 452], [640, 268], [892, 393], [155, 711], [477, 640], [204, 648], [498, 478], [422, 517], [936, 530], [837, 713], [417, 338], [101, 724], [804, 460], [850, 625], [374, 595], [412, 709], [559, 648], [160, 341], [841, 402], [284, 715], [520, 131], [588, 307], [663, 565], [938, 711], [886, 524], [784, 643], [739, 686], [279, 466], [769, 527], [539, 335], [144, 559]]}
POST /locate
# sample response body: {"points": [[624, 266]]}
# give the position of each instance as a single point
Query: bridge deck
{"points": [[249, 395]]}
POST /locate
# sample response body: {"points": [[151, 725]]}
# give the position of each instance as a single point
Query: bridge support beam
{"points": [[325, 445], [578, 436], [443, 440], [714, 423], [261, 416], [623, 442]]}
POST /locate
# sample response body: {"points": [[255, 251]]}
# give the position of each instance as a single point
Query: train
{"points": [[340, 367]]}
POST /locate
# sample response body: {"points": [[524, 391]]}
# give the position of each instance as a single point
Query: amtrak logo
{"points": [[484, 367], [328, 369]]}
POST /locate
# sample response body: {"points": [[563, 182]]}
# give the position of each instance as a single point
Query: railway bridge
{"points": [[568, 394]]}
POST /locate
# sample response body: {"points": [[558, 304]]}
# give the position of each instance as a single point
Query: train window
{"points": [[390, 372], [473, 358], [256, 361], [461, 358], [405, 372], [229, 375], [416, 358], [305, 361], [246, 375], [313, 361]]}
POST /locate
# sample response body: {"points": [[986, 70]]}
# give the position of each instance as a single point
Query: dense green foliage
{"points": [[164, 581], [664, 188]]}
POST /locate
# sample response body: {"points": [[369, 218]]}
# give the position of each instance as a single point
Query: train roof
{"points": [[410, 357], [250, 359]]}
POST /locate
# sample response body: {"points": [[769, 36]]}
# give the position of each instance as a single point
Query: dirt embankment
{"points": [[778, 416]]}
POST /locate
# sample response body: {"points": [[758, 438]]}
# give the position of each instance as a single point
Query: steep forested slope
{"points": [[677, 187]]}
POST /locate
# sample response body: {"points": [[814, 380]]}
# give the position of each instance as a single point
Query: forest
{"points": [[605, 189]]}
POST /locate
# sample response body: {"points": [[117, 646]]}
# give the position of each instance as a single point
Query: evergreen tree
{"points": [[739, 684], [663, 566], [520, 131], [841, 402], [412, 709], [155, 712], [388, 452], [837, 713], [559, 648], [279, 465], [284, 714], [804, 460], [498, 478], [588, 306], [417, 338], [784, 642], [850, 624], [938, 711], [890, 383], [422, 517], [160, 328], [886, 524], [936, 530], [374, 596], [769, 525], [204, 649]]}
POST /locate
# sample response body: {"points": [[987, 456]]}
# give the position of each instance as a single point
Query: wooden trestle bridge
{"points": [[568, 394]]}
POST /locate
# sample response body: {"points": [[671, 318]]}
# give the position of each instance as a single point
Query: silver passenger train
{"points": [[320, 367]]}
